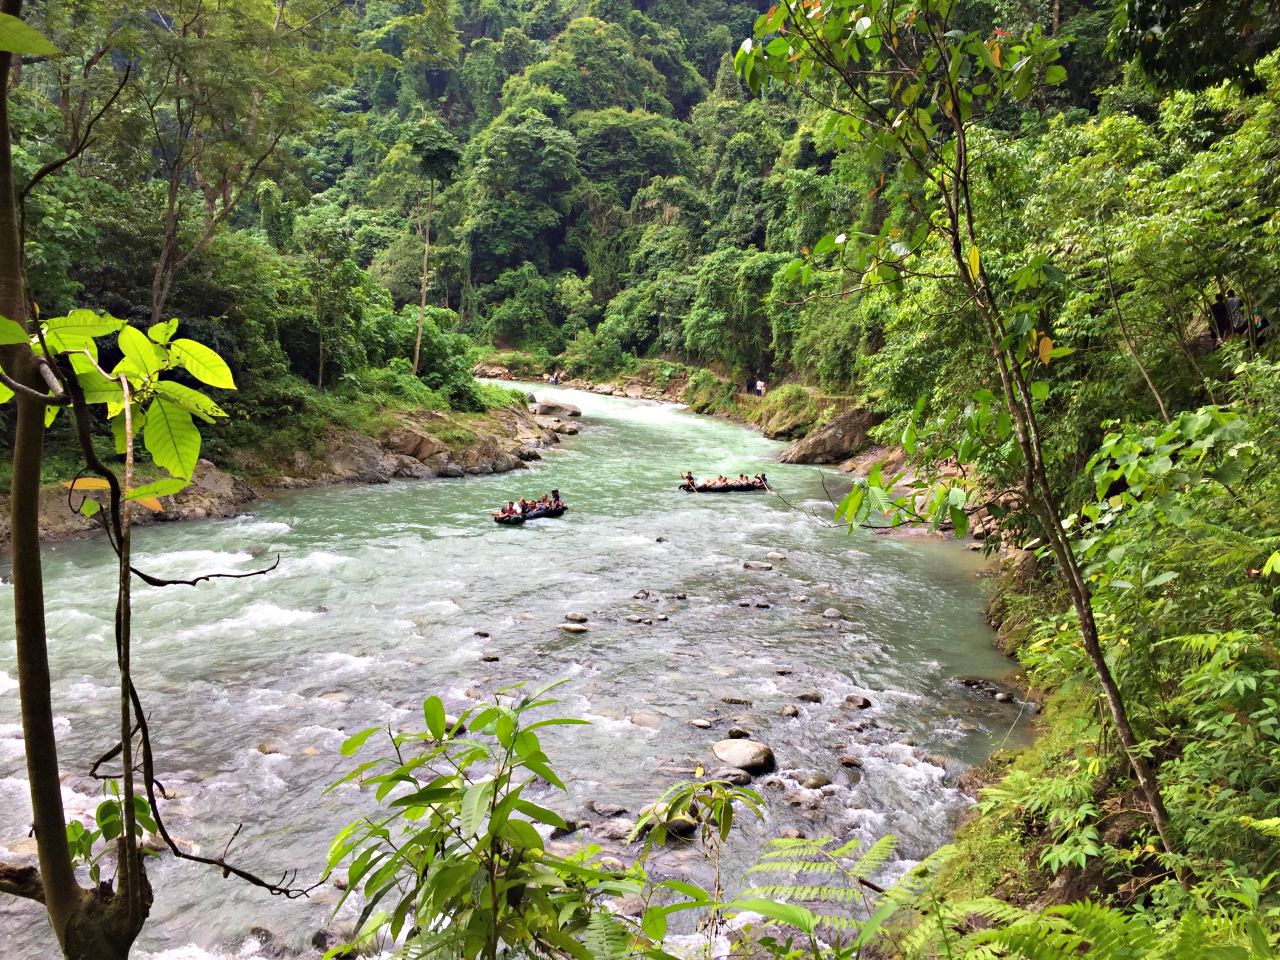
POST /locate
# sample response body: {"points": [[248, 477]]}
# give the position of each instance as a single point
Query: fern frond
{"points": [[1110, 933], [873, 861], [607, 937]]}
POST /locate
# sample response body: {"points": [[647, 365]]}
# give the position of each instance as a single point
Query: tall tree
{"points": [[221, 86], [903, 80]]}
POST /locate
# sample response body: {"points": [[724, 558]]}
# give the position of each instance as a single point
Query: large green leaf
{"points": [[99, 389], [83, 323], [158, 488], [146, 357], [163, 331], [433, 714], [171, 438], [17, 36], [203, 364], [475, 805], [5, 393], [11, 332], [193, 401]]}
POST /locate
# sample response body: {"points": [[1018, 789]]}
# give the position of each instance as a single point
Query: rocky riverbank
{"points": [[419, 445]]}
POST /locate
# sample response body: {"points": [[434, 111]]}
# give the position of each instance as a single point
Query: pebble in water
{"points": [[756, 565]]}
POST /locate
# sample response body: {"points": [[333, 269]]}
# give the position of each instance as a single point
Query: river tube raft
{"points": [[733, 487], [516, 519]]}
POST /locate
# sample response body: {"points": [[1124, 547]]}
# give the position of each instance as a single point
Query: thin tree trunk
{"points": [[1128, 340], [1017, 395], [61, 892], [426, 273], [162, 279]]}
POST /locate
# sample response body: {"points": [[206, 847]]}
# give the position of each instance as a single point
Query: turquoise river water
{"points": [[253, 684]]}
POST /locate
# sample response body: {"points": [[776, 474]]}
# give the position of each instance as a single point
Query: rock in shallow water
{"points": [[615, 828], [756, 565], [831, 613], [576, 617], [573, 628], [749, 755], [734, 775], [607, 809]]}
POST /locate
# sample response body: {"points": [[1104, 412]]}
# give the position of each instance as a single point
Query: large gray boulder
{"points": [[554, 408], [838, 440], [749, 755]]}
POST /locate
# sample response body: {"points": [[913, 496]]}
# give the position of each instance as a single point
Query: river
{"points": [[253, 684]]}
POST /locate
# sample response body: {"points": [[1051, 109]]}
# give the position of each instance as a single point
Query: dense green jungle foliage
{"points": [[592, 183]]}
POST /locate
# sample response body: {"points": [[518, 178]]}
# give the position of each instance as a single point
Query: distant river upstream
{"points": [[253, 684]]}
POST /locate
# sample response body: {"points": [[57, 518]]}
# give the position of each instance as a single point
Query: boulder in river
{"points": [[790, 710], [573, 628], [735, 775], [775, 555], [836, 441], [701, 723], [810, 696], [756, 565], [576, 617], [816, 781], [555, 408], [831, 613], [605, 809], [855, 701], [738, 733], [749, 755]]}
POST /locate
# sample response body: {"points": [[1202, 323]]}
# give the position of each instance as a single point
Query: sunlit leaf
{"points": [[146, 357], [11, 332], [17, 36], [203, 364], [171, 438]]}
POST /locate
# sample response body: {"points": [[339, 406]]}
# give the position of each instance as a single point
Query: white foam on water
{"points": [[344, 661], [7, 683], [257, 617], [254, 525], [203, 561], [318, 561]]}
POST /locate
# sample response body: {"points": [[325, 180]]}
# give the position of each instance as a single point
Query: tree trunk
{"points": [[61, 892], [89, 924], [426, 273], [162, 279], [1128, 340]]}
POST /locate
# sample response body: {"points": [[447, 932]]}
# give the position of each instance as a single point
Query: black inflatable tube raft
{"points": [[726, 488], [516, 519]]}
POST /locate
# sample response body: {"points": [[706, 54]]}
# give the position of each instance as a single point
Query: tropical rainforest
{"points": [[1036, 241]]}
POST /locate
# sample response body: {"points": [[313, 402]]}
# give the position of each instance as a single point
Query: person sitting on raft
{"points": [[686, 478], [508, 511], [525, 506], [556, 501], [761, 481]]}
